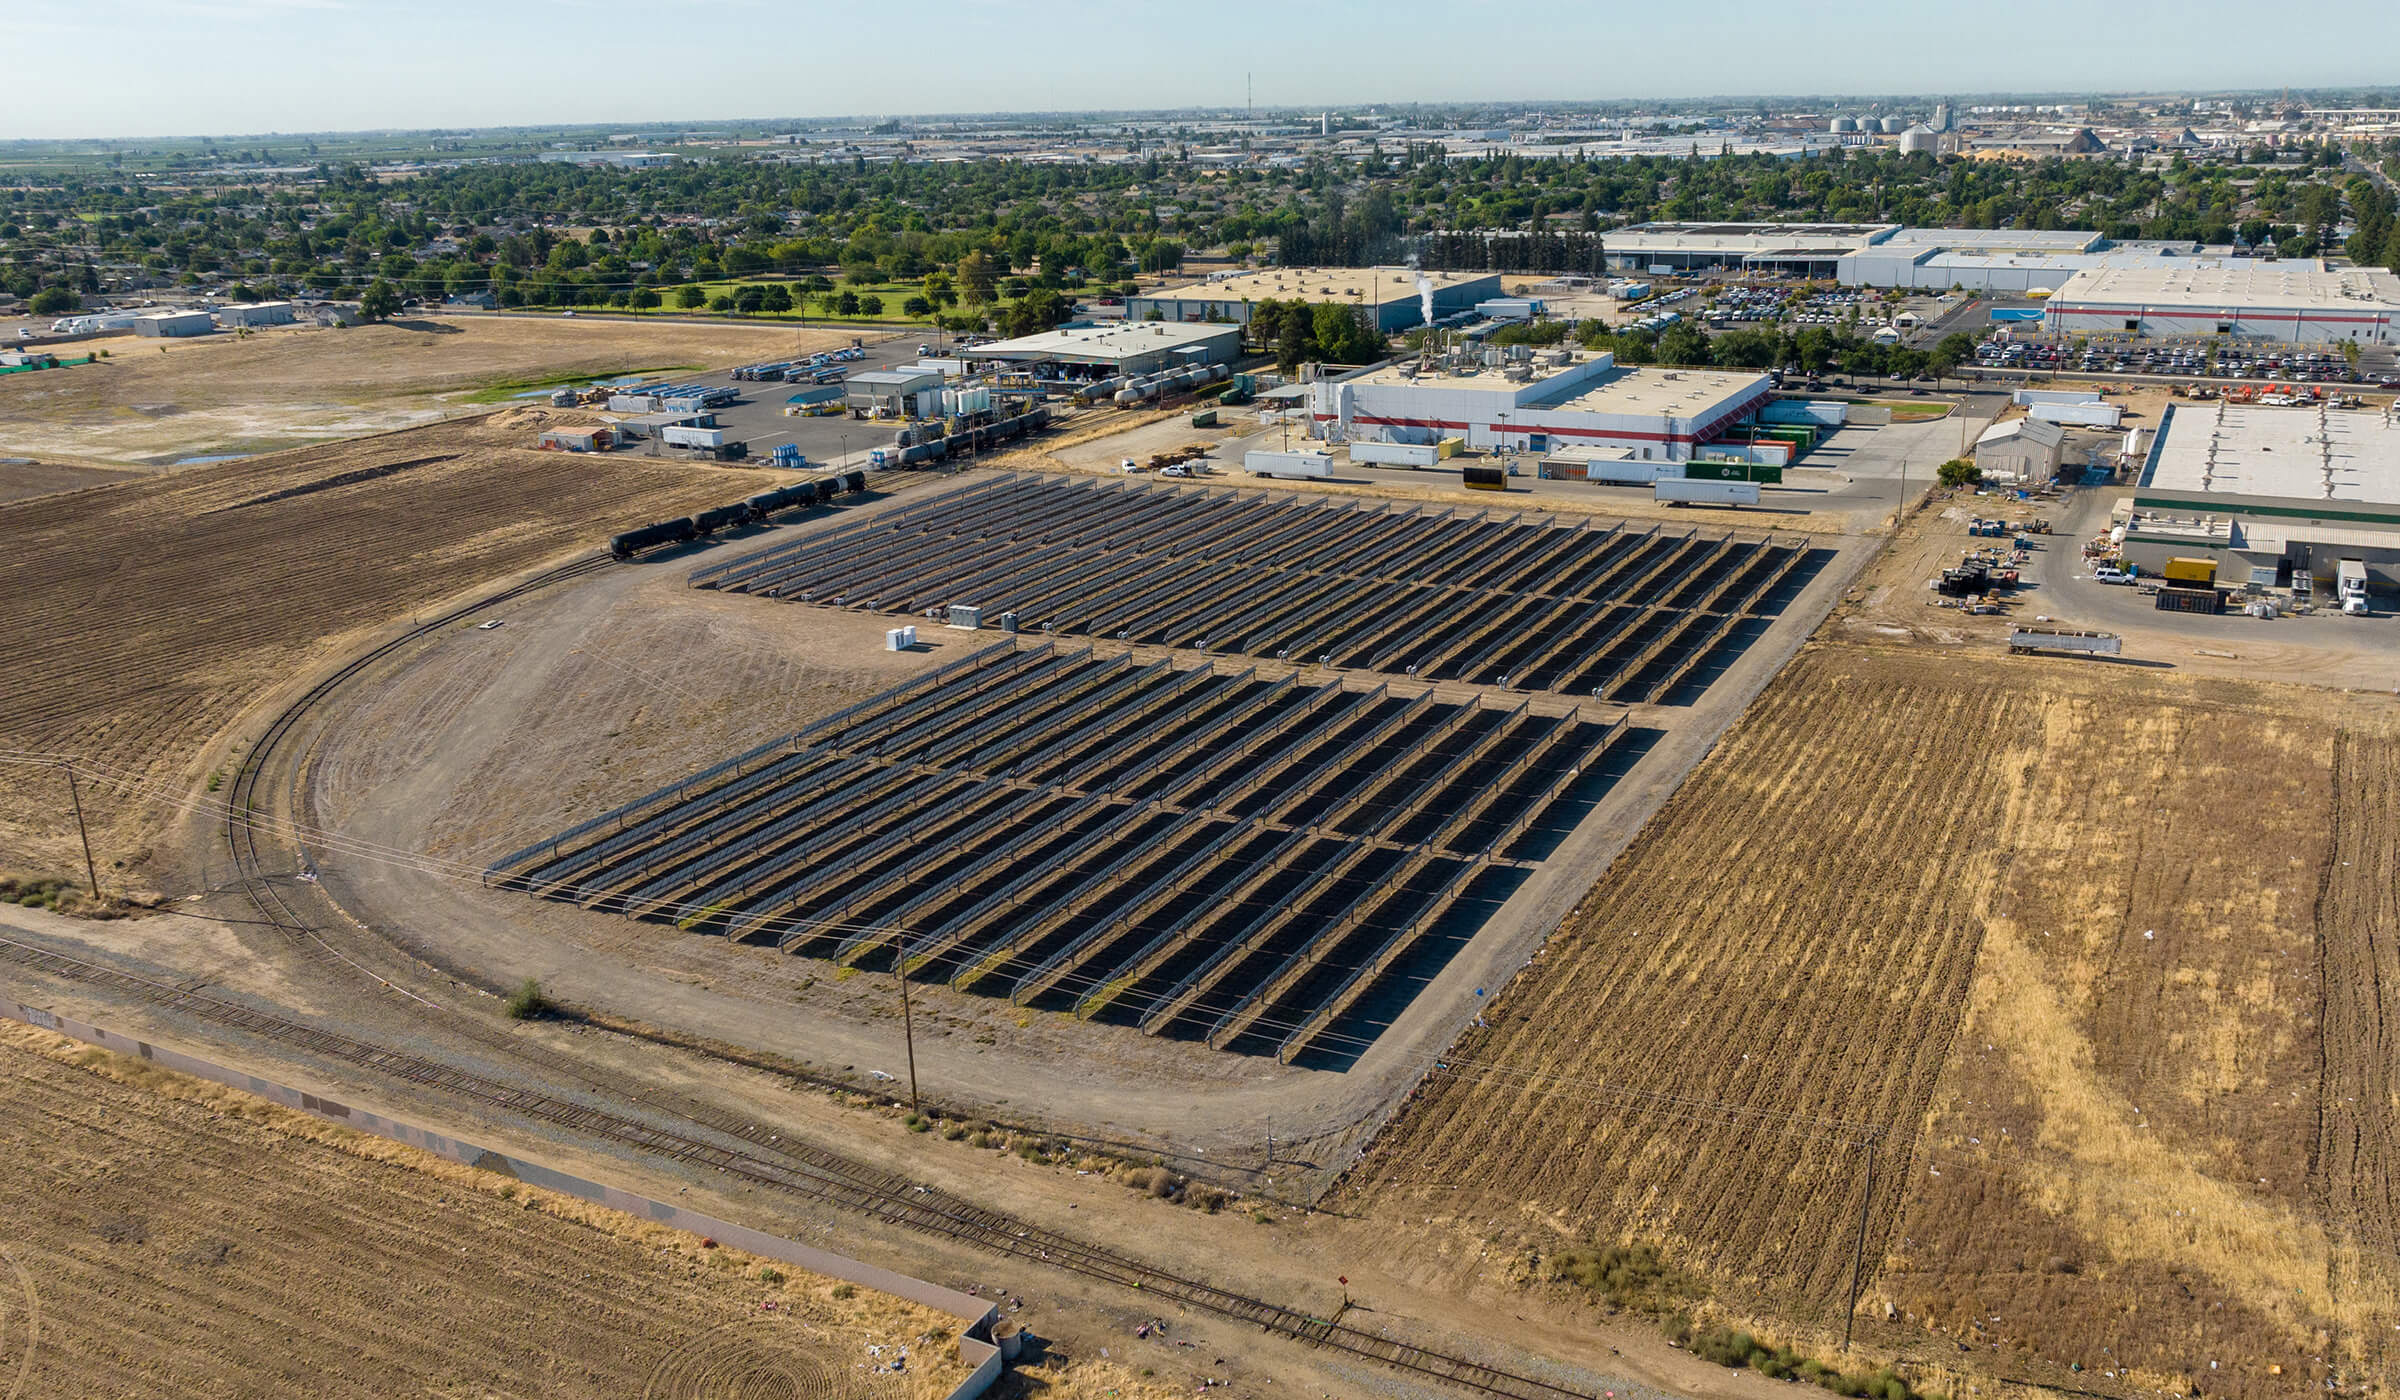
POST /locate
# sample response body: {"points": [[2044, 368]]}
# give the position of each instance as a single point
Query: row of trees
{"points": [[1556, 252], [1813, 350]]}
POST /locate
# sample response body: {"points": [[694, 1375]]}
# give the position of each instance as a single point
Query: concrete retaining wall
{"points": [[974, 1315]]}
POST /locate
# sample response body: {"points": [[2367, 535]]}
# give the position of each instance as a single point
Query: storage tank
{"points": [[1918, 140], [1842, 126], [1893, 124]]}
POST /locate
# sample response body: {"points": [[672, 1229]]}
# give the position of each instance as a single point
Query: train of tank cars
{"points": [[753, 510]]}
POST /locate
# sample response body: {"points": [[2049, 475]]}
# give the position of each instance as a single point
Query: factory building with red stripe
{"points": [[1542, 402], [2292, 301]]}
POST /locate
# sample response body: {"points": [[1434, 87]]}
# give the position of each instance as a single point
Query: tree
{"points": [[50, 301], [1684, 344], [379, 302], [845, 303], [1036, 311], [1958, 471], [644, 298], [749, 299], [778, 298], [691, 297], [977, 278], [1344, 335], [870, 305], [916, 306], [1296, 342]]}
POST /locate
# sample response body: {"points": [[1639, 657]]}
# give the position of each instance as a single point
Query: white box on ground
{"points": [[900, 639]]}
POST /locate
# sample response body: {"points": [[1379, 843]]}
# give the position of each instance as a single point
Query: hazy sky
{"points": [[129, 68]]}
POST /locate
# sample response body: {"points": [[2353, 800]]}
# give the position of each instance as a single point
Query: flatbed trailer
{"points": [[2024, 641]]}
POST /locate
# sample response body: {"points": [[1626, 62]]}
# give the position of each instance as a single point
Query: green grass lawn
{"points": [[503, 390]]}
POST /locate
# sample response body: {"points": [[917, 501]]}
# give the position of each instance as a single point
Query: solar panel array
{"points": [[1521, 601], [1177, 845]]}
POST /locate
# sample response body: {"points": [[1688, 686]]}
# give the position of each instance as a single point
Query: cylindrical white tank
{"points": [[1918, 140], [1894, 124], [1844, 125]]}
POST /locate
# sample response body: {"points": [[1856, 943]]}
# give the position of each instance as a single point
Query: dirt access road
{"points": [[156, 405]]}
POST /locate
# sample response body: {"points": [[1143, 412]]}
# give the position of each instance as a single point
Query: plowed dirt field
{"points": [[168, 1237], [143, 616], [2103, 963]]}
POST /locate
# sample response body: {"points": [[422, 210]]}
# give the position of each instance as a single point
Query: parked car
{"points": [[2106, 574]]}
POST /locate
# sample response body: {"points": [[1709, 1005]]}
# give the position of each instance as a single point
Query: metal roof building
{"points": [[1565, 398], [2293, 300], [1388, 294], [2272, 489], [1810, 249], [1130, 347], [174, 323]]}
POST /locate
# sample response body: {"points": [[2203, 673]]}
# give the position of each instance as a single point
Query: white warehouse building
{"points": [[2293, 300], [1562, 399], [2271, 493]]}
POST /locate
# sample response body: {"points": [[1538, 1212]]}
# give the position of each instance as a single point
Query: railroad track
{"points": [[806, 1172], [241, 834]]}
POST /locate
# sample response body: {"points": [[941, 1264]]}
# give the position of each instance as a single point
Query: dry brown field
{"points": [[2105, 957], [144, 616], [171, 1237], [151, 403]]}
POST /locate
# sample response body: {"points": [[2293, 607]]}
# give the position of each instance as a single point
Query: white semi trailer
{"points": [[1685, 491]]}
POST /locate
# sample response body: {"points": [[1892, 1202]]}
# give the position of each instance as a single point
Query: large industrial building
{"points": [[2292, 300], [1106, 352], [1977, 260], [1562, 399], [2270, 492], [1390, 295], [1807, 250]]}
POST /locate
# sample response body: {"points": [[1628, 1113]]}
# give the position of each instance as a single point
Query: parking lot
{"points": [[2183, 359], [757, 418]]}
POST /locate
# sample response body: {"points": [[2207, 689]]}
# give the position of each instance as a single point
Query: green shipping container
{"points": [[1714, 471], [1205, 418]]}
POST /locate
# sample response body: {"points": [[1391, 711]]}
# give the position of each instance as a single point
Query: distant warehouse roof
{"points": [[2212, 283], [1370, 286], [1112, 344]]}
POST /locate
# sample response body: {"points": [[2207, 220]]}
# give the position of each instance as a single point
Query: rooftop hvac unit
{"points": [[1008, 623], [966, 616]]}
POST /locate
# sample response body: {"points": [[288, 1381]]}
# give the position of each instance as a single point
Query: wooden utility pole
{"points": [[75, 795], [1858, 1249], [908, 1027]]}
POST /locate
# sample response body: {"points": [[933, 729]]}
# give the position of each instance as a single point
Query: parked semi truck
{"points": [[1686, 491], [2350, 585]]}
